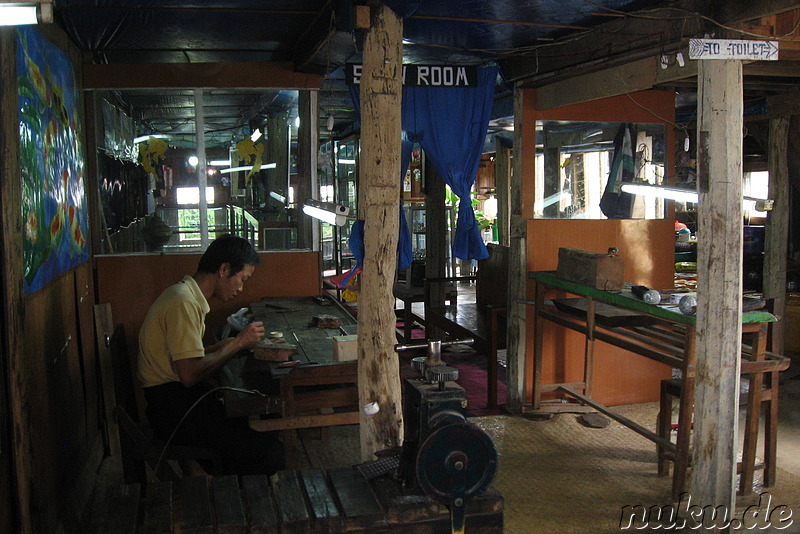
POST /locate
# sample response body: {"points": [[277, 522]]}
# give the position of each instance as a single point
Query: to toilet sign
{"points": [[733, 49]]}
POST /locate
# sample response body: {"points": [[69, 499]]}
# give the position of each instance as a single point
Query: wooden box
{"points": [[600, 271], [345, 348], [273, 352]]}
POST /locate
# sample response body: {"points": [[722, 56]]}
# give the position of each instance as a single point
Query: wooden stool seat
{"points": [[764, 395]]}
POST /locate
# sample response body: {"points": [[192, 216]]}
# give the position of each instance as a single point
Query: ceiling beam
{"points": [[627, 78], [182, 75]]}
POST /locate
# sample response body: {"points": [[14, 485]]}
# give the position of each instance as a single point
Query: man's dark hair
{"points": [[228, 248]]}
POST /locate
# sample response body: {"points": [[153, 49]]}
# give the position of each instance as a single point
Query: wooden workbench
{"points": [[662, 334]]}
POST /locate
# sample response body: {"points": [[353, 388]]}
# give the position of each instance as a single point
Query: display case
{"points": [[414, 181], [416, 217]]}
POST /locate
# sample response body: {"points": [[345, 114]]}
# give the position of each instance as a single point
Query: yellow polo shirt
{"points": [[172, 330]]}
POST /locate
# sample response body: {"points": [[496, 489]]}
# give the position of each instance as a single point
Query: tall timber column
{"points": [[719, 272], [378, 370]]}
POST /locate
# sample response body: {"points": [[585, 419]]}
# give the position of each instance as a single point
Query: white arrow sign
{"points": [[733, 49]]}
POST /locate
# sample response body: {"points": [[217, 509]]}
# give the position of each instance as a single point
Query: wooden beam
{"points": [[378, 367], [777, 231], [306, 178], [12, 353], [197, 75], [502, 180], [628, 78], [719, 265], [517, 261]]}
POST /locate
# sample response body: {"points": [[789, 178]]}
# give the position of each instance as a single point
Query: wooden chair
{"points": [[485, 319], [139, 446], [310, 397]]}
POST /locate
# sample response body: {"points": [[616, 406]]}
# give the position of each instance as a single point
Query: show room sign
{"points": [[425, 75], [733, 49]]}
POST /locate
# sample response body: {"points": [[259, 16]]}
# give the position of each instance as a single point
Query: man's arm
{"points": [[194, 370]]}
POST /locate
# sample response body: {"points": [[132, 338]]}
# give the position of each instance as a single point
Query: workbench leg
{"points": [[588, 350], [663, 428], [685, 409], [407, 321], [771, 431], [754, 396], [491, 391], [538, 338]]}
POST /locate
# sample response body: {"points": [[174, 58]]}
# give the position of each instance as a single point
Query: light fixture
{"points": [[327, 212], [490, 207], [32, 12], [277, 196], [143, 138], [247, 168], [680, 194], [193, 161], [297, 122], [255, 136], [329, 122], [219, 162]]}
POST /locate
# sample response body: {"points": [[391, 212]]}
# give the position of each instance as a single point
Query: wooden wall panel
{"points": [[647, 247], [132, 283]]}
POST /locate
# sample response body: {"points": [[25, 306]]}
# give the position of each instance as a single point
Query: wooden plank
{"points": [[228, 506], [719, 264], [324, 513], [502, 179], [359, 506], [261, 514], [378, 379], [193, 75], [398, 506], [777, 230], [122, 507], [291, 503], [304, 421], [157, 514], [104, 328], [18, 392], [192, 506], [630, 77]]}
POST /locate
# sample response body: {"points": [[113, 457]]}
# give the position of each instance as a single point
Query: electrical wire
{"points": [[193, 406]]}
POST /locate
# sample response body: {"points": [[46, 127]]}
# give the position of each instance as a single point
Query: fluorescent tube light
{"points": [[219, 162], [328, 213], [276, 196], [19, 13], [143, 138], [672, 193], [247, 168], [255, 136]]}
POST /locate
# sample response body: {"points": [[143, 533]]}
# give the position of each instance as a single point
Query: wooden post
{"points": [[777, 231], [517, 270], [435, 242], [14, 374], [719, 267], [306, 179], [502, 170], [381, 93]]}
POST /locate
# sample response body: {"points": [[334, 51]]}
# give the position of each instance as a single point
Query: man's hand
{"points": [[251, 335], [194, 370]]}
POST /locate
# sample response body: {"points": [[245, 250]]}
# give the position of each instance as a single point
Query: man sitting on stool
{"points": [[174, 364]]}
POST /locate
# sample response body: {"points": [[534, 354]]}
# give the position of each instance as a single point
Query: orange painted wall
{"points": [[131, 284], [647, 247]]}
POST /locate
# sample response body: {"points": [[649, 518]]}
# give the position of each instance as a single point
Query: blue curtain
{"points": [[450, 124]]}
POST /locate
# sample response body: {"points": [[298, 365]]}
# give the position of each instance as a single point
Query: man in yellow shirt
{"points": [[173, 364]]}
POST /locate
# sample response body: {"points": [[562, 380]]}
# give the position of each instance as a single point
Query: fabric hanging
{"points": [[450, 124], [615, 203]]}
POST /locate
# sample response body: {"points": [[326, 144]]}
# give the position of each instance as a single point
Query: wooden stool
{"points": [[764, 391]]}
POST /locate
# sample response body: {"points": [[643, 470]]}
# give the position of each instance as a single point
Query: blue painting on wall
{"points": [[52, 161]]}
